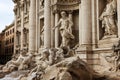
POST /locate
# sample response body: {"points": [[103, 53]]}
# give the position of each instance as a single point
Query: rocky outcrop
{"points": [[72, 68]]}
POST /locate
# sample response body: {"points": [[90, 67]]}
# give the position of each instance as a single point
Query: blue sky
{"points": [[6, 13]]}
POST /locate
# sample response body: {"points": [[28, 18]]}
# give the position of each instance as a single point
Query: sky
{"points": [[6, 13]]}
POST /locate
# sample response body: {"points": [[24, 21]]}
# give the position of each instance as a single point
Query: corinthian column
{"points": [[47, 24], [22, 24], [32, 26], [118, 12], [15, 25], [56, 30], [86, 23]]}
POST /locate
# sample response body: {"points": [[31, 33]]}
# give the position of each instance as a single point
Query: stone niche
{"points": [[107, 35], [76, 27], [41, 31]]}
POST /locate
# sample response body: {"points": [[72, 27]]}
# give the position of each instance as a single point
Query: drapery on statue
{"points": [[108, 18], [42, 36], [65, 25]]}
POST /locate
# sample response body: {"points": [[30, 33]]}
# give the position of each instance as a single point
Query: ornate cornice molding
{"points": [[67, 5], [15, 9]]}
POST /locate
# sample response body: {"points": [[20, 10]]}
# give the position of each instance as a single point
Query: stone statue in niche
{"points": [[109, 22], [41, 4], [65, 26], [42, 36]]}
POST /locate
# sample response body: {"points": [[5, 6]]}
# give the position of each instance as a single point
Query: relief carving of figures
{"points": [[42, 36], [114, 59], [65, 26], [109, 22]]}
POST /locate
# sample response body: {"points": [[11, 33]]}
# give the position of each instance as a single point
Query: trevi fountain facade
{"points": [[65, 40]]}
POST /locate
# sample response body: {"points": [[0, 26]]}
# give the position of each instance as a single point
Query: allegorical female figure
{"points": [[108, 18], [65, 27]]}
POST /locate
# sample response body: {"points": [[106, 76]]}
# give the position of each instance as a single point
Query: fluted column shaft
{"points": [[56, 30], [47, 24], [15, 25], [94, 24], [52, 32], [22, 25], [80, 24], [86, 22], [118, 12], [32, 26]]}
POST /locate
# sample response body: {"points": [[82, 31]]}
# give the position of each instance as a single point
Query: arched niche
{"points": [[107, 24]]}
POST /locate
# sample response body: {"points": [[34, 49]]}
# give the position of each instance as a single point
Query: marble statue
{"points": [[42, 36], [41, 3], [108, 18], [65, 27], [20, 63], [59, 55], [41, 64]]}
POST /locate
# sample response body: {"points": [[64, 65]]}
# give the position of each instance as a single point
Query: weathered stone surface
{"points": [[72, 68]]}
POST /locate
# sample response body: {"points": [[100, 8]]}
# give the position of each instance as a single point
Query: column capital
{"points": [[22, 5], [15, 9], [56, 11]]}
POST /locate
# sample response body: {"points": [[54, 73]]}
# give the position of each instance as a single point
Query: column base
{"points": [[85, 48], [85, 53]]}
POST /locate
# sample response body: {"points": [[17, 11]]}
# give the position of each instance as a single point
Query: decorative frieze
{"points": [[15, 9], [66, 5]]}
